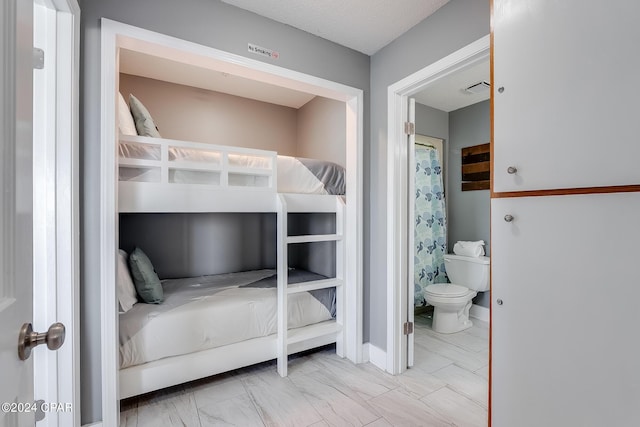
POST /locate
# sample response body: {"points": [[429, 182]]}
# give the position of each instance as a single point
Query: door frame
{"points": [[398, 227], [115, 35], [56, 228]]}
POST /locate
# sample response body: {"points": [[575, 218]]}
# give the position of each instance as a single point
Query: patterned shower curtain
{"points": [[430, 236]]}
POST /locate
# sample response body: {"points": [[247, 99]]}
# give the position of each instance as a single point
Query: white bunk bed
{"points": [[161, 175]]}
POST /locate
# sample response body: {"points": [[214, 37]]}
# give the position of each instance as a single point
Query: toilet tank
{"points": [[471, 272]]}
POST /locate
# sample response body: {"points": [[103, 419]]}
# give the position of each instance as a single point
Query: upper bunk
{"points": [[164, 175]]}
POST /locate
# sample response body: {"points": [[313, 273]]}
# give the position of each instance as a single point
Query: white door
{"points": [[566, 290], [16, 85], [565, 94], [411, 184]]}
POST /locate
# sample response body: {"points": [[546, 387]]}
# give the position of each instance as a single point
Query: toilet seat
{"points": [[448, 290]]}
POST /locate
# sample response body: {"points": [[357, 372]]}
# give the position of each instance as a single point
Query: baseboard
{"points": [[96, 424], [375, 355], [479, 312]]}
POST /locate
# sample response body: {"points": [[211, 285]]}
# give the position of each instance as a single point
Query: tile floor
{"points": [[446, 387]]}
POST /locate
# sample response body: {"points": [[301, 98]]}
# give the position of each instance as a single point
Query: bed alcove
{"points": [[156, 59]]}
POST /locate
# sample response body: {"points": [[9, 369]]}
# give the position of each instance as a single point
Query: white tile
{"points": [[427, 360], [237, 411], [483, 372], [336, 408], [419, 383], [216, 389], [479, 331], [362, 382], [461, 410], [301, 366], [463, 340], [380, 422], [169, 410], [278, 401], [129, 417], [467, 359], [465, 382], [322, 423], [400, 409]]}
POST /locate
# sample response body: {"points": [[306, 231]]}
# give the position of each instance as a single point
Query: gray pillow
{"points": [[145, 278], [144, 123]]}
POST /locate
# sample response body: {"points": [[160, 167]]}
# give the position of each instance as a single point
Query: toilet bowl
{"points": [[452, 301]]}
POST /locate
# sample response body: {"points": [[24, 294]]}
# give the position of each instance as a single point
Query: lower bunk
{"points": [[212, 324]]}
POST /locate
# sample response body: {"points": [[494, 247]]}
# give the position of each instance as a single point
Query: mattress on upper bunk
{"points": [[295, 174], [211, 311]]}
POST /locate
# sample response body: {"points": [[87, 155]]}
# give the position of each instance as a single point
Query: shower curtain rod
{"points": [[425, 145]]}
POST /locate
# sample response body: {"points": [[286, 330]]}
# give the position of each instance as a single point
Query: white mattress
{"points": [[210, 311], [292, 175]]}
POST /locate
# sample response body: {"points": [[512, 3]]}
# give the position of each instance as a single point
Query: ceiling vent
{"points": [[478, 87]]}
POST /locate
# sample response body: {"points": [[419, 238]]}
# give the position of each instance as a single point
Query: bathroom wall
{"points": [[468, 211], [435, 123]]}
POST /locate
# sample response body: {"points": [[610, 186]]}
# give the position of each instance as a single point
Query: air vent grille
{"points": [[478, 87]]}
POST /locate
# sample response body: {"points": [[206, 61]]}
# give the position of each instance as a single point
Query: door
{"points": [[565, 289], [411, 184], [16, 105], [565, 94]]}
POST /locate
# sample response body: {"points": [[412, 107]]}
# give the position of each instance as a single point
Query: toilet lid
{"points": [[447, 289]]}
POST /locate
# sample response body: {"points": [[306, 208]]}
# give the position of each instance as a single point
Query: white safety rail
{"points": [[164, 175], [294, 340]]}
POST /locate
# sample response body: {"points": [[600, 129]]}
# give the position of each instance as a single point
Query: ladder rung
{"points": [[313, 285], [314, 238]]}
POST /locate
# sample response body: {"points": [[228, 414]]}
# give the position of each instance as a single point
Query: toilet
{"points": [[452, 301]]}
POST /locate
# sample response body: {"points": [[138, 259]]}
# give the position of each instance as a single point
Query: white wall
{"points": [[200, 115], [322, 130]]}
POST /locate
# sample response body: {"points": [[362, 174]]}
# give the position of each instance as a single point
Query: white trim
{"points": [[376, 356], [98, 424], [479, 312], [58, 141], [397, 227], [115, 35]]}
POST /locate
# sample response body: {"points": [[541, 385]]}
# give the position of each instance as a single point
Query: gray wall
{"points": [[468, 210], [452, 27], [192, 114], [188, 245], [432, 122], [208, 22]]}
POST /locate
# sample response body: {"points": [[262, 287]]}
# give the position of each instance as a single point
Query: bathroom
{"points": [[457, 361], [461, 119]]}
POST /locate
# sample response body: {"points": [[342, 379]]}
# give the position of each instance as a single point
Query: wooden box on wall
{"points": [[476, 167]]}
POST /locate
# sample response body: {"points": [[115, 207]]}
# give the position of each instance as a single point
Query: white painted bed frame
{"points": [[114, 36], [164, 196]]}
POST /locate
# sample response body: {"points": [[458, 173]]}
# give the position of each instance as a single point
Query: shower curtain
{"points": [[430, 222]]}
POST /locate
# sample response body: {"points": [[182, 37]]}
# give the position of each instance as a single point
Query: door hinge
{"points": [[38, 58], [408, 328], [409, 128]]}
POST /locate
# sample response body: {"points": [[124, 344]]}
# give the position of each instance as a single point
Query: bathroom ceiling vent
{"points": [[478, 87]]}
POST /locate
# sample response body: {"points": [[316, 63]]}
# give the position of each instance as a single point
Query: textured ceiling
{"points": [[362, 25]]}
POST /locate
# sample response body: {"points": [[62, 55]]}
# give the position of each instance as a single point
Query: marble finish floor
{"points": [[446, 387]]}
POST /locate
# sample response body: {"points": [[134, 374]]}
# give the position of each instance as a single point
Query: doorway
{"points": [[400, 295], [56, 203], [116, 36]]}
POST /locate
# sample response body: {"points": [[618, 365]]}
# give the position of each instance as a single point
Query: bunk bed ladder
{"points": [[283, 279], [286, 340]]}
